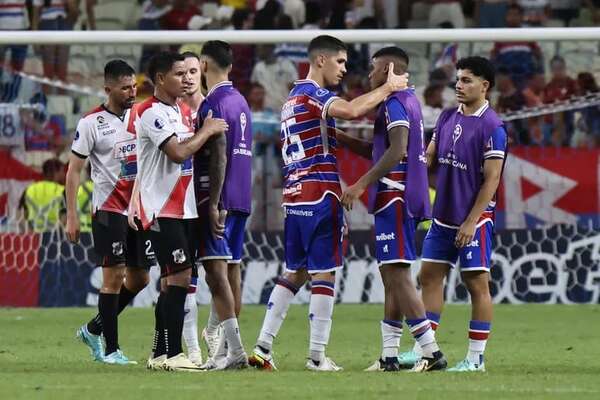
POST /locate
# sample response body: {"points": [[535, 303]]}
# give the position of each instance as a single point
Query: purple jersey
{"points": [[308, 140], [227, 103], [463, 143], [401, 109]]}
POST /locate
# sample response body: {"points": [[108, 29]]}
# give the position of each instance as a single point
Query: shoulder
{"points": [[491, 120], [146, 107]]}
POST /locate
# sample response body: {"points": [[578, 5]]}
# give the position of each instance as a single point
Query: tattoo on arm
{"points": [[217, 167]]}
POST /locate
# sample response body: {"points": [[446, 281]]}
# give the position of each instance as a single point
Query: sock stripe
{"points": [[433, 317], [480, 325], [418, 326], [325, 291], [394, 323], [287, 284], [323, 283]]}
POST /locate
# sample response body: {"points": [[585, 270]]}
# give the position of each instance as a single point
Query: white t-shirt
{"points": [[166, 187], [56, 9], [13, 15], [109, 142], [276, 78]]}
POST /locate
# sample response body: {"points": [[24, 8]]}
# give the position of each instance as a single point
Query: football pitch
{"points": [[535, 352]]}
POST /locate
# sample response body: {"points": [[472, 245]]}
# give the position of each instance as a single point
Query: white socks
{"points": [[322, 299], [190, 323], [391, 332], [279, 302]]}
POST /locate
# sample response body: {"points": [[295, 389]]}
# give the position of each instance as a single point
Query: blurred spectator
{"points": [[362, 9], [449, 55], [337, 18], [441, 77], [243, 54], [43, 133], [152, 12], [266, 17], [433, 104], [589, 122], [55, 15], [179, 16], [594, 7], [265, 132], [14, 16], [534, 97], [446, 11], [520, 59], [237, 4], [565, 10], [42, 200], [491, 13], [275, 75], [535, 12], [296, 9], [314, 15], [295, 52], [560, 87], [511, 98]]}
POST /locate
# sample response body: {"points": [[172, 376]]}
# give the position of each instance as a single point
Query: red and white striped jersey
{"points": [[109, 141], [308, 139], [166, 187]]}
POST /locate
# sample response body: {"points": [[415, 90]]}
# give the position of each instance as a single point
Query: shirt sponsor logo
{"points": [[474, 243], [452, 163], [293, 190], [321, 92], [125, 149], [243, 152], [108, 132], [456, 133], [300, 213], [385, 236], [100, 119]]}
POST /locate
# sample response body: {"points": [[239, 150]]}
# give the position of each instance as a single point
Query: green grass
{"points": [[535, 352]]}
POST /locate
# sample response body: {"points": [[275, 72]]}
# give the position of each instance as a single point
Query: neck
{"points": [[113, 108], [193, 100], [214, 80], [469, 109], [163, 96], [315, 76]]}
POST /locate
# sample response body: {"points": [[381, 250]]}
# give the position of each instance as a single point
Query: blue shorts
{"points": [[231, 246], [395, 235], [476, 256], [313, 236]]}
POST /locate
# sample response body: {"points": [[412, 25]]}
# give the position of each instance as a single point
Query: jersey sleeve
{"points": [[395, 114], [84, 139], [155, 125], [323, 99], [496, 145], [205, 108]]}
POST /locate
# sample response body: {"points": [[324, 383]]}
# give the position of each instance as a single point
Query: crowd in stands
{"points": [[530, 74]]}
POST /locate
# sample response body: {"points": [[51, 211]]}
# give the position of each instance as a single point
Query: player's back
{"points": [[308, 139], [227, 103], [402, 108]]}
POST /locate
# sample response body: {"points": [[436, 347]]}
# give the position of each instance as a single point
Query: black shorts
{"points": [[175, 242], [116, 243]]}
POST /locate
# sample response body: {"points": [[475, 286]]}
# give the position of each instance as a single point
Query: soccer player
{"points": [[468, 148], [223, 186], [314, 216], [107, 136], [192, 98], [399, 200], [167, 204]]}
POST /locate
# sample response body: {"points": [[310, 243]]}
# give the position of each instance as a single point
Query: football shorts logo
{"points": [[159, 123], [179, 256], [117, 248], [100, 119]]}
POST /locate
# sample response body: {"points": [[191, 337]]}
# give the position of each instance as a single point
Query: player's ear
{"points": [[107, 89]]}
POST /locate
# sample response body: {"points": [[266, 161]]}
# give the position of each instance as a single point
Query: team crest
{"points": [[117, 248], [100, 119], [178, 256], [321, 92], [159, 123], [456, 134]]}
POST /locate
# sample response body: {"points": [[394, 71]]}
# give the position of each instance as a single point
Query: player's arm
{"points": [[76, 164], [216, 179], [430, 154], [357, 146], [361, 105], [397, 150], [133, 210], [178, 152]]}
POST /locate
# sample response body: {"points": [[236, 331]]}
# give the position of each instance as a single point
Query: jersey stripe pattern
{"points": [[308, 139]]}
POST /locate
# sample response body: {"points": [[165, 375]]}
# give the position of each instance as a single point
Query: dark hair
{"points": [[51, 166], [162, 62], [313, 12], [479, 66], [327, 43], [239, 16], [219, 51], [431, 89], [284, 21], [190, 54], [587, 82], [557, 59], [515, 6], [392, 51], [115, 69]]}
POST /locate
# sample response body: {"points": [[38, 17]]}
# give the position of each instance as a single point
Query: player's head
{"points": [[558, 67], [54, 170], [474, 78], [328, 55], [167, 72], [514, 16], [192, 68], [380, 64], [120, 84], [216, 57]]}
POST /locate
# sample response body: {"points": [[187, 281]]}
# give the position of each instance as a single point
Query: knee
{"points": [[479, 291], [113, 279], [431, 277], [216, 281], [181, 278], [136, 281]]}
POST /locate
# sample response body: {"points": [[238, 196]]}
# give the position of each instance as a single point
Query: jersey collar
{"points": [[218, 85], [303, 81], [478, 113]]}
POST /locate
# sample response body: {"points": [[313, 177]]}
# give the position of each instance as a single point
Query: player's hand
{"points": [[396, 82], [212, 126], [350, 194], [72, 229], [133, 211], [465, 234], [217, 221]]}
